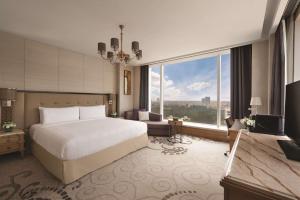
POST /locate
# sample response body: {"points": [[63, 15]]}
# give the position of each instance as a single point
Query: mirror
{"points": [[127, 82]]}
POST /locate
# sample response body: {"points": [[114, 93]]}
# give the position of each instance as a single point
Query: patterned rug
{"points": [[161, 171]]}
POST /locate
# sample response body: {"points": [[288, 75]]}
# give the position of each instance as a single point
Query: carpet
{"points": [[161, 171]]}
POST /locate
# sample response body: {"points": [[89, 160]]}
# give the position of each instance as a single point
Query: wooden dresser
{"points": [[12, 142], [257, 169]]}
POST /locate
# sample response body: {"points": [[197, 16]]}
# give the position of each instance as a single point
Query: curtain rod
{"points": [[199, 53]]}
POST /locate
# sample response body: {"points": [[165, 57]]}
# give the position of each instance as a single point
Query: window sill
{"points": [[204, 126]]}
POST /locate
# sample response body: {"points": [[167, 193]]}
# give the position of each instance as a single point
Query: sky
{"points": [[192, 80]]}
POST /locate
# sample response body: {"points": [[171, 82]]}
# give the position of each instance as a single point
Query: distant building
{"points": [[205, 101]]}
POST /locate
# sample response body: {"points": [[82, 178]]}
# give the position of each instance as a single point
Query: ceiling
{"points": [[164, 28]]}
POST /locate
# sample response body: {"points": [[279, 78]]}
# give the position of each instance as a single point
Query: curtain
{"points": [[241, 80], [144, 87], [278, 72]]}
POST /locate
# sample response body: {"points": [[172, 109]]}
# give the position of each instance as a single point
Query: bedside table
{"points": [[12, 142]]}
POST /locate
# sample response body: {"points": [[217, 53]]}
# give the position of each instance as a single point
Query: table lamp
{"points": [[7, 97], [254, 103]]}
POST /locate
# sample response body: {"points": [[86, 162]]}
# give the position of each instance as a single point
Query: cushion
{"points": [[55, 115], [143, 115], [157, 125], [92, 112]]}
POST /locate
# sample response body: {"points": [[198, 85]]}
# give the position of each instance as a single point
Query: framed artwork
{"points": [[127, 82]]}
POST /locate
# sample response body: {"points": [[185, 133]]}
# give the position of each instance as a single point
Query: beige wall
{"points": [[260, 73], [30, 65]]}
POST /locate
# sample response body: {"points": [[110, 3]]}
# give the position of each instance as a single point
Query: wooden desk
{"points": [[257, 169]]}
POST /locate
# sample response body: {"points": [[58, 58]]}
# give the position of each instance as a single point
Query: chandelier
{"points": [[116, 55]]}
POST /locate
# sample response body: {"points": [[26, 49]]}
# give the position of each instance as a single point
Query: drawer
{"points": [[9, 139], [9, 147]]}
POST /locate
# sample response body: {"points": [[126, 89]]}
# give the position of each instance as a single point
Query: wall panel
{"points": [[30, 65], [71, 71], [93, 74], [11, 61], [41, 66]]}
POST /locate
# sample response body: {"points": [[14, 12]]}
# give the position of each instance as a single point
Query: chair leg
{"points": [[226, 153]]}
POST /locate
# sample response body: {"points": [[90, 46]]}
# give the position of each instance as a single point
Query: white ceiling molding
{"points": [[165, 29], [274, 12]]}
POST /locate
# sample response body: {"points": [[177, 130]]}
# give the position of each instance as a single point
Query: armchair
{"points": [[156, 126]]}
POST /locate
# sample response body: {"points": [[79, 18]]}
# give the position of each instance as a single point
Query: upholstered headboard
{"points": [[32, 101]]}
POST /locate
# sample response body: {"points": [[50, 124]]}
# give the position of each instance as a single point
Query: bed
{"points": [[70, 150]]}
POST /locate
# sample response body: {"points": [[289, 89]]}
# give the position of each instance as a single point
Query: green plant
{"points": [[8, 126], [248, 122], [114, 114]]}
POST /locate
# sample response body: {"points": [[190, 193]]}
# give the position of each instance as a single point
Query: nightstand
{"points": [[12, 142]]}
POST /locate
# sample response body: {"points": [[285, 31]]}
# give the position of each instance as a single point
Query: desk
{"points": [[257, 169]]}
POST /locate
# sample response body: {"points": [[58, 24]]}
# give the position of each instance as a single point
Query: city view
{"points": [[196, 111], [190, 90]]}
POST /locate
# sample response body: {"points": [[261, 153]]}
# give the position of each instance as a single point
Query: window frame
{"points": [[219, 81]]}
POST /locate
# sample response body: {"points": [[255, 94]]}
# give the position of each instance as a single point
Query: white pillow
{"points": [[143, 115], [54, 115], [92, 112]]}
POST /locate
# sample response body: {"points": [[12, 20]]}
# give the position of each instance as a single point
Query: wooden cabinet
{"points": [[12, 142]]}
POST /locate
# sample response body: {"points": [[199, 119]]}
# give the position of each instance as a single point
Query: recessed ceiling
{"points": [[164, 28]]}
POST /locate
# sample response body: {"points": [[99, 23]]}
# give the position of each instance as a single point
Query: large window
{"points": [[197, 90], [155, 88]]}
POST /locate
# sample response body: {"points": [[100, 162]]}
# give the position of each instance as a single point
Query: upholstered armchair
{"points": [[156, 126]]}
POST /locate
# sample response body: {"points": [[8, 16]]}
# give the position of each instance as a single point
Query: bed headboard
{"points": [[32, 101]]}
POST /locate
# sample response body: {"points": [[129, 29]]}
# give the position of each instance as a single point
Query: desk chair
{"points": [[229, 122]]}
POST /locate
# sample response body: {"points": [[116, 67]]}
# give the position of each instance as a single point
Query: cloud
{"points": [[197, 86], [172, 93], [155, 79]]}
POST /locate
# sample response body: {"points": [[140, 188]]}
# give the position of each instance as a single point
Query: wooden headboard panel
{"points": [[32, 101]]}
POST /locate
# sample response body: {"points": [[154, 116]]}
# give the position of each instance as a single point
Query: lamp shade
{"points": [[135, 46], [114, 43], [255, 101], [101, 48], [8, 94]]}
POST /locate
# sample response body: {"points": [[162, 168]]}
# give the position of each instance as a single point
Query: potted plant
{"points": [[8, 126], [248, 123], [114, 115]]}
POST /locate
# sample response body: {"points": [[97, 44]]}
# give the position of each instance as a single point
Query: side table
{"points": [[175, 128]]}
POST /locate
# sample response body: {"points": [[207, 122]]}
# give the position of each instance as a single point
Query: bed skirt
{"points": [[70, 170]]}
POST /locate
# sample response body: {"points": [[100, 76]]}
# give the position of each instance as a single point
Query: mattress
{"points": [[76, 139]]}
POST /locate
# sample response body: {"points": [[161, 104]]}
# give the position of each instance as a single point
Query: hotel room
{"points": [[150, 100]]}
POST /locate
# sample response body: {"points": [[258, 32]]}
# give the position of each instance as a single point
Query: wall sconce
{"points": [[110, 99]]}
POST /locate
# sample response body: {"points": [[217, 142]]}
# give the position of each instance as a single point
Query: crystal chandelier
{"points": [[116, 55]]}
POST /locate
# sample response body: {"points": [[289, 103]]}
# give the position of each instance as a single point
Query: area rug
{"points": [[161, 171]]}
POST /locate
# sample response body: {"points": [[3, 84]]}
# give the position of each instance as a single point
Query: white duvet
{"points": [[76, 139]]}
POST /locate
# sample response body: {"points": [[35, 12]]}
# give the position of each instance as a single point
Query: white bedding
{"points": [[76, 139]]}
